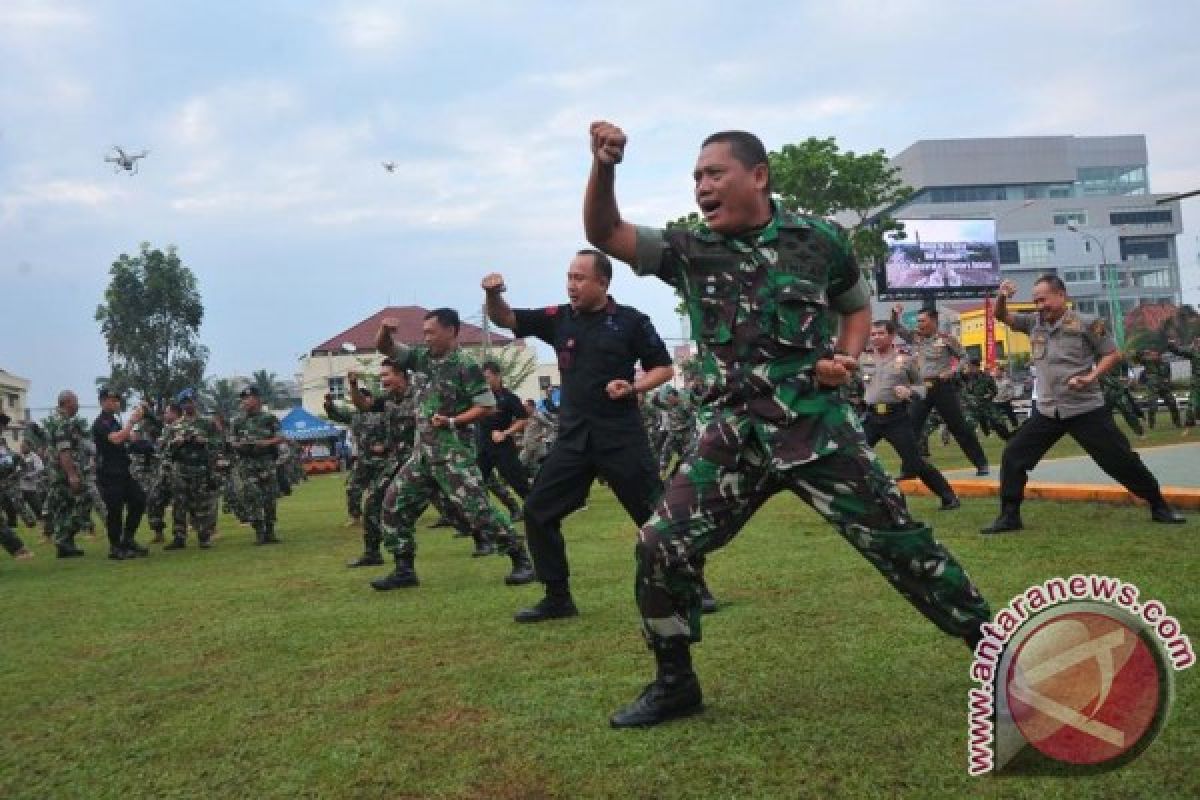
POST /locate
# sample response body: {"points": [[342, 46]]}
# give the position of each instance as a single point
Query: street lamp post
{"points": [[1110, 276]]}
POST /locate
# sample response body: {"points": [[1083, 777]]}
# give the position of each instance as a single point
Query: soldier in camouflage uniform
{"points": [[1192, 354], [383, 430], [1157, 376], [191, 445], [11, 466], [764, 289], [979, 389], [255, 436], [1117, 397], [10, 471], [366, 467], [678, 430], [1007, 390], [146, 468], [68, 504], [453, 396]]}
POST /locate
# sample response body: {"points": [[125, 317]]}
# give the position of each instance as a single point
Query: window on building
{"points": [[1144, 249], [1079, 276], [1007, 252], [337, 388], [974, 351], [1035, 251], [1157, 217], [1112, 180], [1085, 306], [1070, 218], [13, 399]]}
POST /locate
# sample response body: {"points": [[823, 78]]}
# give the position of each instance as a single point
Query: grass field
{"points": [[276, 672]]}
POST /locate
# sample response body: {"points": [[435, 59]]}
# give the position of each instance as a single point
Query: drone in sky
{"points": [[125, 161], [390, 166]]}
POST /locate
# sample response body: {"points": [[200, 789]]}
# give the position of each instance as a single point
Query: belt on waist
{"points": [[883, 409]]}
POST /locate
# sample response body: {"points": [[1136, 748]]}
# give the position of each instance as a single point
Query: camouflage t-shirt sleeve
{"points": [[61, 437], [656, 256], [847, 290]]}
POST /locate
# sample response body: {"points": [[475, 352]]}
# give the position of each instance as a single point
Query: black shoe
{"points": [[135, 550], [950, 505], [1004, 524], [482, 549], [522, 569], [120, 554], [69, 552], [982, 472], [671, 696], [548, 608], [402, 577], [204, 544], [367, 559], [1165, 514], [176, 544], [708, 603]]}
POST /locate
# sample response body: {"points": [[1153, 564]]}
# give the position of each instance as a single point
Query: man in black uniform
{"points": [[123, 496], [600, 427], [498, 432]]}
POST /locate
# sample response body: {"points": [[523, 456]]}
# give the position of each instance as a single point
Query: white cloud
{"points": [[56, 193], [22, 19], [369, 28]]}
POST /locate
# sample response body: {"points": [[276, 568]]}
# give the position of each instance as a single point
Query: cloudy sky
{"points": [[267, 121]]}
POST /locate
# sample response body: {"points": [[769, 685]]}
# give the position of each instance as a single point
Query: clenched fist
{"points": [[1007, 288], [608, 143], [493, 282]]}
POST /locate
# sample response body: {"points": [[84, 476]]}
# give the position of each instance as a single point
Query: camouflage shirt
{"points": [[453, 384], [192, 443], [369, 429], [67, 435], [764, 309], [245, 429]]}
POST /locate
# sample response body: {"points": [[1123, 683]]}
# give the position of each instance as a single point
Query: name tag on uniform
{"points": [[881, 408]]}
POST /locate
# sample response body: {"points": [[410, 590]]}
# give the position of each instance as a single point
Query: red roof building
{"points": [[408, 331]]}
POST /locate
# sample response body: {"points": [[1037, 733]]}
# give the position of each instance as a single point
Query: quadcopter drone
{"points": [[390, 166], [125, 161]]}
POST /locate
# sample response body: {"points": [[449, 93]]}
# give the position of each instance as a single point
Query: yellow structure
{"points": [[973, 334]]}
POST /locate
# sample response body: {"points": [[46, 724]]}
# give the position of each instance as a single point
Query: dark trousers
{"points": [[562, 486], [1096, 433], [124, 501], [33, 498], [503, 458], [1006, 408], [944, 397], [896, 429]]}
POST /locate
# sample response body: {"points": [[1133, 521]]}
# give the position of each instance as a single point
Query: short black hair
{"points": [[491, 365], [446, 317], [930, 312], [393, 365], [746, 147], [886, 324], [1053, 281], [600, 263]]}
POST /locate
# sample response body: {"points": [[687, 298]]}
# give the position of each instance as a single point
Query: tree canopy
{"points": [[150, 319]]}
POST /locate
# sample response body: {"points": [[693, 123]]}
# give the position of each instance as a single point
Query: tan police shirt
{"points": [[883, 373], [1069, 347]]}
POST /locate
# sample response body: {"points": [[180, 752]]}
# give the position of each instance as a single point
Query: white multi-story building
{"points": [[14, 392]]}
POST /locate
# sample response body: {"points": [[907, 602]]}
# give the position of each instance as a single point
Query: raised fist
{"points": [[1007, 288], [608, 143], [493, 282], [898, 309], [352, 376]]}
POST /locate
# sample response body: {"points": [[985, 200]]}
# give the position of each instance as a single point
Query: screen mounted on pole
{"points": [[941, 258]]}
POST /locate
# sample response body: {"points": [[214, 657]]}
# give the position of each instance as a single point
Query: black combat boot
{"points": [[483, 546], [131, 546], [260, 533], [1162, 512], [557, 604], [708, 603], [1009, 519], [674, 693], [68, 550], [269, 536], [402, 577], [178, 542], [369, 558], [522, 568], [204, 540]]}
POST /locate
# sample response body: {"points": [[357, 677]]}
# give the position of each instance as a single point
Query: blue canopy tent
{"points": [[300, 426]]}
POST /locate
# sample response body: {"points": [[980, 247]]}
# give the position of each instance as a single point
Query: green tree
{"points": [[150, 319], [221, 396], [270, 388], [516, 365]]}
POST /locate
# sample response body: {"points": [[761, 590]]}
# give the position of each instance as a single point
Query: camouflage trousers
{"points": [[1154, 392], [674, 443], [12, 496], [149, 477], [729, 476], [456, 477], [258, 485], [9, 539], [194, 500], [508, 498], [66, 513], [1124, 403], [96, 502], [988, 418], [380, 478], [366, 470], [232, 493]]}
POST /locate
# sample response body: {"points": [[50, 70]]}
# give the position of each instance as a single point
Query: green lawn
{"points": [[276, 672]]}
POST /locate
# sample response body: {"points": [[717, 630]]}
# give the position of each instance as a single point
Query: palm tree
{"points": [[221, 396], [270, 388]]}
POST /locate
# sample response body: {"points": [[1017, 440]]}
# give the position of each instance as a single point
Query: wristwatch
{"points": [[453, 423]]}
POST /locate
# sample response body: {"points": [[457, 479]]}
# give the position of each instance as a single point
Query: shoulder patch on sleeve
{"points": [[551, 310]]}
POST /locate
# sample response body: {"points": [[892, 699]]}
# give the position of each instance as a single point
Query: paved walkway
{"points": [[1177, 467]]}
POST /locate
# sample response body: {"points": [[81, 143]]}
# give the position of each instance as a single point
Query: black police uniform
{"points": [[503, 456], [596, 435], [123, 496]]}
